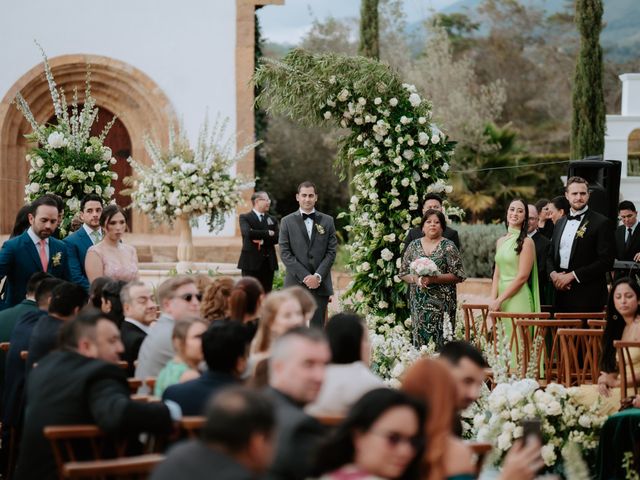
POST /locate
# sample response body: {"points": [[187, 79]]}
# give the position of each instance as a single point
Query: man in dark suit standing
{"points": [[582, 251], [308, 249], [86, 236], [432, 201], [628, 234], [33, 251], [81, 384], [543, 246], [259, 237], [140, 310]]}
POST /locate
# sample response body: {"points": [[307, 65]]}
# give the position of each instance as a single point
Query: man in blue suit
{"points": [[33, 251], [87, 235]]}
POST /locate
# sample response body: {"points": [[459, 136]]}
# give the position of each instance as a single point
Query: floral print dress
{"points": [[429, 305]]}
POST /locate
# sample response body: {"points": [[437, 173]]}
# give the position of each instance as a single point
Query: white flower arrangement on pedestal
{"points": [[66, 160], [186, 182]]}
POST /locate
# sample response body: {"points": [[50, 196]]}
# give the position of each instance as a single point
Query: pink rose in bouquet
{"points": [[424, 267]]}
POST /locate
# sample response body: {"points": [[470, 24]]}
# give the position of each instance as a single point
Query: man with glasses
{"points": [[179, 300], [628, 233], [259, 237], [432, 201], [140, 310], [543, 247]]}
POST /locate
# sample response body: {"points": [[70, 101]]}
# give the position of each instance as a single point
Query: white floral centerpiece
{"points": [[66, 160]]}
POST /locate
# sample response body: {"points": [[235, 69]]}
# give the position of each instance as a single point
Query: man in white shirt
{"points": [[85, 237], [582, 251], [140, 310]]}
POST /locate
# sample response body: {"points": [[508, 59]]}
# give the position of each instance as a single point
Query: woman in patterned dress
{"points": [[433, 297]]}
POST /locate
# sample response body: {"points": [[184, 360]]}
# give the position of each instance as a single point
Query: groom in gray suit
{"points": [[308, 249]]}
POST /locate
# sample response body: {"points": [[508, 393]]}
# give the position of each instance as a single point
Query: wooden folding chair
{"points": [[480, 450], [475, 322], [579, 360], [544, 331], [583, 316], [597, 324], [628, 375], [192, 425], [151, 383], [134, 384], [4, 346], [136, 467], [515, 343]]}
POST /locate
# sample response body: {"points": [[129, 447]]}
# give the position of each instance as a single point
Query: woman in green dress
{"points": [[431, 297], [515, 263]]}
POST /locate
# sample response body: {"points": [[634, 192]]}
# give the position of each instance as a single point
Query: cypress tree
{"points": [[588, 123], [369, 37], [260, 116]]}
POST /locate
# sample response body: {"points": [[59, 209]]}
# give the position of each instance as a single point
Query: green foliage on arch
{"points": [[395, 152]]}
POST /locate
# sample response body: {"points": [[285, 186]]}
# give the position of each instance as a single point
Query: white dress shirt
{"points": [[308, 222], [626, 231], [36, 240], [258, 214], [568, 236], [90, 231]]}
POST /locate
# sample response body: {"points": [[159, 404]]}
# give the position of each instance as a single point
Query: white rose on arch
{"points": [[414, 99]]}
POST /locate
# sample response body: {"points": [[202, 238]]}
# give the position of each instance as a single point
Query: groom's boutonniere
{"points": [[56, 259], [320, 229], [582, 230]]}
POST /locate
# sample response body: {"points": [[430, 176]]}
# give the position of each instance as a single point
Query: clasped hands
{"points": [[562, 281], [311, 281], [422, 281]]}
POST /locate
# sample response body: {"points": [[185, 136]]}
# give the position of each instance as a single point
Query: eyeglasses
{"points": [[394, 439], [187, 297]]}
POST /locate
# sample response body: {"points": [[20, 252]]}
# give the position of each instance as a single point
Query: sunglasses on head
{"points": [[187, 297], [394, 439]]}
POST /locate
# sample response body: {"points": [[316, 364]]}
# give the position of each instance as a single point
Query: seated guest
{"points": [[86, 236], [446, 456], [80, 384], [618, 437], [235, 441], [111, 304], [307, 302], [188, 347], [558, 207], [348, 376], [544, 224], [95, 291], [281, 311], [244, 302], [140, 311], [380, 438], [66, 301], [432, 201], [297, 367], [215, 303], [627, 234], [179, 300], [225, 346]]}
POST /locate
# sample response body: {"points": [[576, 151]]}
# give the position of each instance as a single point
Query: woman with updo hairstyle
{"points": [[244, 303], [215, 302], [111, 257]]}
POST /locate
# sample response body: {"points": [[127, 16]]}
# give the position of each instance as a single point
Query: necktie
{"points": [[260, 217], [575, 217], [311, 215], [95, 235], [43, 255], [629, 233]]}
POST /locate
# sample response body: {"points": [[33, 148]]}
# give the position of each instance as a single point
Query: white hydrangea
{"points": [[393, 102], [57, 140], [415, 100], [386, 255]]}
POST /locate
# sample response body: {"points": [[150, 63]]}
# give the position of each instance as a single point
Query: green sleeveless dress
{"points": [[525, 300]]}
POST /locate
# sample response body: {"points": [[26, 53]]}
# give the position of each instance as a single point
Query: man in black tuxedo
{"points": [[543, 246], [582, 251], [140, 310], [432, 201], [308, 249], [80, 383], [627, 234], [259, 237]]}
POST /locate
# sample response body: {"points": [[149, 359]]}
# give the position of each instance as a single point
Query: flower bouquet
{"points": [[424, 267], [66, 160]]}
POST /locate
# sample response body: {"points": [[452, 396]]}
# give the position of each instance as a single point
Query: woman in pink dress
{"points": [[112, 258]]}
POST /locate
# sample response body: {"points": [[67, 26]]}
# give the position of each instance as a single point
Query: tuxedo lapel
{"points": [[620, 246], [85, 239], [556, 243], [633, 239], [31, 248], [303, 229], [577, 238], [53, 250], [314, 229]]}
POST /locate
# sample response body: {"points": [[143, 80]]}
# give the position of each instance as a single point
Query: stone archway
{"points": [[138, 101]]}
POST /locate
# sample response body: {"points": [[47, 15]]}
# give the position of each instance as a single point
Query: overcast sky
{"points": [[289, 22]]}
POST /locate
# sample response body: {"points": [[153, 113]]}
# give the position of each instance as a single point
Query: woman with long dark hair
{"points": [[381, 437], [244, 303]]}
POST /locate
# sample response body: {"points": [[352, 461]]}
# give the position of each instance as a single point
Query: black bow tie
{"points": [[575, 217], [311, 215]]}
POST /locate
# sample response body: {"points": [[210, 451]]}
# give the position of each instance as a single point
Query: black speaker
{"points": [[604, 183]]}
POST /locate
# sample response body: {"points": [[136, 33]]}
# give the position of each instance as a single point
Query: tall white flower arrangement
{"points": [[182, 181]]}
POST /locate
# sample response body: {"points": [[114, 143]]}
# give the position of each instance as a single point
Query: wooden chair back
{"points": [[629, 377], [480, 450], [24, 354], [151, 383], [134, 384], [330, 420], [4, 346], [123, 364], [136, 467], [583, 316], [192, 425], [544, 332], [597, 324], [579, 359], [475, 322]]}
